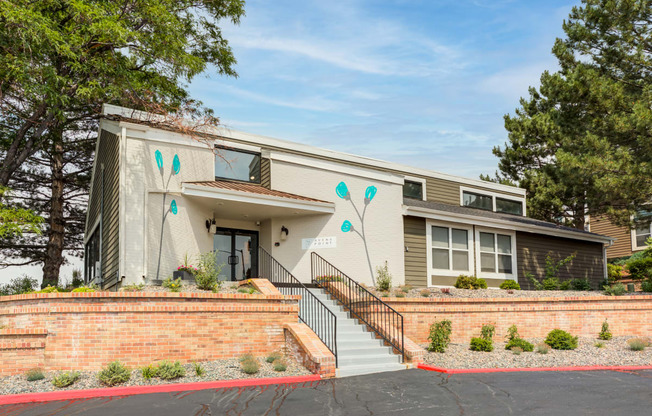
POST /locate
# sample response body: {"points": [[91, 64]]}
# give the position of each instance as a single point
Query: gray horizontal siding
{"points": [[416, 263]]}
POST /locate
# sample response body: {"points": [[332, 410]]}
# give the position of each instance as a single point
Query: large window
{"points": [[237, 165], [643, 230], [495, 254], [491, 201], [450, 250], [412, 189], [92, 263], [474, 200], [509, 206]]}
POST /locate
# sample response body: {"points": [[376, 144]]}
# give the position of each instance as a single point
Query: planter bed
{"points": [[615, 352], [214, 370], [491, 293], [191, 287]]}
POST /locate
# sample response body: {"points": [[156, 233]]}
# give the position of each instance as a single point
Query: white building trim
{"points": [[478, 254], [470, 249], [493, 196]]}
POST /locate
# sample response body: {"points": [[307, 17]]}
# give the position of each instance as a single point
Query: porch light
{"points": [[210, 224], [284, 233]]}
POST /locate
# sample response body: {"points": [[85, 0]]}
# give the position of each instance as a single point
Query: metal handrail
{"points": [[312, 311], [364, 305]]}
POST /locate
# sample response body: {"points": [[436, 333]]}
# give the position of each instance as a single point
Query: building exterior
{"points": [[626, 241], [158, 195]]}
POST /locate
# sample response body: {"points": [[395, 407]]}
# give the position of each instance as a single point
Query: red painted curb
{"points": [[162, 388], [521, 369]]}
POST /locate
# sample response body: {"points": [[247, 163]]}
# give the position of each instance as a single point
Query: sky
{"points": [[423, 83]]}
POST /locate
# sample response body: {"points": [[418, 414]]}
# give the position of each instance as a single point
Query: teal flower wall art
{"points": [[176, 168], [343, 192]]}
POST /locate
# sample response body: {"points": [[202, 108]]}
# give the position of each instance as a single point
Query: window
{"points": [[509, 206], [643, 230], [496, 254], [412, 189], [473, 200], [237, 165], [450, 249], [92, 264]]}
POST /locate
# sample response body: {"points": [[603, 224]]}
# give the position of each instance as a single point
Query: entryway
{"points": [[237, 250]]}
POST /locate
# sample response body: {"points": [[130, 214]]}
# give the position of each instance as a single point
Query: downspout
{"points": [[101, 280], [604, 260]]}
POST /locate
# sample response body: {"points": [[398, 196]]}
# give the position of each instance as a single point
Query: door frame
{"points": [[255, 234]]}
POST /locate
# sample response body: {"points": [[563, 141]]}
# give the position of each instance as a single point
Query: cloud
{"points": [[312, 103]]}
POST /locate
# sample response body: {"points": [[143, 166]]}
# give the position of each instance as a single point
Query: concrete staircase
{"points": [[358, 350]]}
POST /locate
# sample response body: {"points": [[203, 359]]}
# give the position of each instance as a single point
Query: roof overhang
{"points": [[501, 224]]}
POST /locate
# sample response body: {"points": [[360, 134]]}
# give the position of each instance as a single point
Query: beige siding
{"points": [[108, 156], [623, 244], [416, 263], [532, 250], [265, 178]]}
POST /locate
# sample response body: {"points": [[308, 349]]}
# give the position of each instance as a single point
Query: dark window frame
{"points": [[93, 254], [250, 152], [420, 197], [514, 201], [478, 194]]}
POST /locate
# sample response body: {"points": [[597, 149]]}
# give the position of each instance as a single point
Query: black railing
{"points": [[363, 305], [312, 311]]}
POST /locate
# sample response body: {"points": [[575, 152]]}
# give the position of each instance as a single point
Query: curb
{"points": [[162, 388], [531, 369]]}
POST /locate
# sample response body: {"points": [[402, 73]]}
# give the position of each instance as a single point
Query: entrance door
{"points": [[237, 252]]}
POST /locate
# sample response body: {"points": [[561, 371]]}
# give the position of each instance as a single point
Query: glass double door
{"points": [[237, 253]]}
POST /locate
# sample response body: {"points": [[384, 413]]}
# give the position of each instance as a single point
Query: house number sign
{"points": [[319, 242]]}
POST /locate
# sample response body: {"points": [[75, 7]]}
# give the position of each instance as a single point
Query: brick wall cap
{"points": [[14, 331], [600, 298], [181, 295]]}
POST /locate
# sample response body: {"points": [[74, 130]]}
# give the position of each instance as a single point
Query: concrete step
{"points": [[357, 370], [378, 359]]}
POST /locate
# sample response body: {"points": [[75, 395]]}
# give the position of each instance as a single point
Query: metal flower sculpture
{"points": [[343, 192], [176, 168]]}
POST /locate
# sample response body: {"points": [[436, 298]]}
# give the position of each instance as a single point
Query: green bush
{"points": [[550, 283], [19, 286], [65, 379], [517, 350], [520, 343], [543, 348], [646, 286], [133, 287], [35, 374], [406, 288], [199, 370], [617, 289], [425, 293], [638, 344], [83, 289], [172, 284], [512, 333], [480, 284], [273, 357], [440, 336], [481, 344], [383, 278], [561, 340], [465, 282], [250, 366], [614, 272], [580, 284], [565, 285], [149, 372], [605, 334], [487, 332], [49, 289], [246, 357], [169, 371], [640, 269], [280, 365], [207, 274], [599, 344], [510, 285], [115, 373]]}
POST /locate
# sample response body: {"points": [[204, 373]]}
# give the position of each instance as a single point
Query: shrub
{"points": [[535, 283], [614, 272], [49, 289], [35, 374], [399, 294], [246, 357], [115, 373], [172, 284], [273, 357], [565, 285], [18, 286], [149, 372], [199, 370], [512, 333], [618, 289], [465, 282], [133, 288], [250, 366], [640, 269], [481, 344], [83, 289], [425, 293], [406, 288], [543, 348], [646, 286], [580, 284], [605, 334], [599, 345], [561, 340], [207, 274], [487, 332], [480, 284], [510, 285], [520, 343], [638, 344], [550, 283], [517, 350], [169, 371], [280, 365], [440, 336], [65, 379], [383, 277]]}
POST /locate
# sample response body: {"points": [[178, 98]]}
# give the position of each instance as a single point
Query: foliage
{"points": [[512, 333], [406, 288], [186, 266], [614, 272], [273, 357], [581, 143], [280, 365], [49, 289], [329, 278], [19, 286], [65, 379], [440, 336], [249, 364], [15, 221], [617, 289], [470, 282], [517, 350], [247, 356], [481, 344], [519, 343], [149, 372], [247, 289], [561, 340], [174, 285], [580, 284], [599, 344], [77, 279], [84, 289], [399, 294], [133, 287], [550, 283], [605, 334], [565, 285], [543, 348], [640, 269], [425, 293], [208, 272], [638, 344], [510, 285], [480, 284], [383, 277], [487, 331], [115, 373], [169, 371], [35, 374], [646, 286], [199, 370]]}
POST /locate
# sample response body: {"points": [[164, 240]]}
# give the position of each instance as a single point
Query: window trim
{"points": [[87, 239], [493, 196], [496, 275], [636, 247], [239, 150], [420, 180], [447, 272]]}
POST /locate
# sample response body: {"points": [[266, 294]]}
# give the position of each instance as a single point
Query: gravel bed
{"points": [[614, 352], [452, 293], [226, 287], [214, 370]]}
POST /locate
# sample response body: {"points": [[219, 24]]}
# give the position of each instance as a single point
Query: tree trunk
{"points": [[54, 249]]}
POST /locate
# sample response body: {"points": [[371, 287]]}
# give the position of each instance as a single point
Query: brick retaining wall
{"points": [[85, 331]]}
